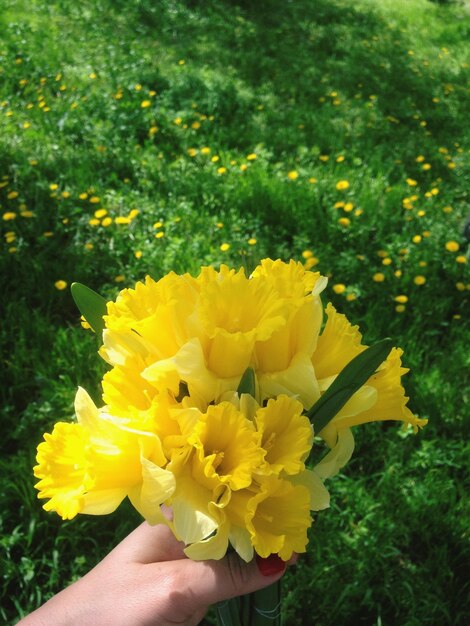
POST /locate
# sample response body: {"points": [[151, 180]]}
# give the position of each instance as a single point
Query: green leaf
{"points": [[91, 305], [350, 379], [247, 382]]}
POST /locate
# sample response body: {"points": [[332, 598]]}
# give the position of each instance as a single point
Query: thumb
{"points": [[215, 581]]}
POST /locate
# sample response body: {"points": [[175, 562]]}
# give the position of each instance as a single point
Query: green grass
{"points": [[369, 92]]}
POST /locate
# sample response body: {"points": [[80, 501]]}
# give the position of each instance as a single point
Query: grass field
{"points": [[140, 137]]}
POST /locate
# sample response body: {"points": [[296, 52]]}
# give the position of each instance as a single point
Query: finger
{"points": [[150, 544], [209, 582]]}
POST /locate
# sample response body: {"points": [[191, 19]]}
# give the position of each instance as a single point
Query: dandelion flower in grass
{"points": [[452, 246], [411, 182], [342, 185], [60, 285], [94, 200], [9, 216], [400, 308], [344, 221], [378, 277], [461, 259], [90, 466], [221, 170], [419, 280], [339, 288], [252, 241], [402, 299], [251, 157], [293, 175], [145, 104]]}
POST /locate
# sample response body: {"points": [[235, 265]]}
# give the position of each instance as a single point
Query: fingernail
{"points": [[273, 564]]}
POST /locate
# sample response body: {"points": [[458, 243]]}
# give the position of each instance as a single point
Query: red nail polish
{"points": [[273, 564]]}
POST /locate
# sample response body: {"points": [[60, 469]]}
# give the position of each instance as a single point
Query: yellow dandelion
{"points": [[251, 157], [83, 196], [416, 238], [461, 258], [159, 235], [344, 221], [158, 225], [378, 277], [221, 170], [419, 280], [138, 254], [460, 286], [452, 246], [60, 285], [342, 185], [192, 152], [27, 214], [99, 213], [411, 182], [420, 158], [324, 158], [243, 167], [339, 205], [307, 254], [402, 299], [53, 186], [145, 104], [447, 209], [94, 199], [107, 222], [292, 175], [94, 221], [311, 262], [205, 150], [196, 125], [89, 246], [215, 158], [119, 278], [400, 308], [12, 195], [224, 247], [312, 180], [426, 167], [122, 220], [339, 288], [251, 241], [8, 216], [387, 261]]}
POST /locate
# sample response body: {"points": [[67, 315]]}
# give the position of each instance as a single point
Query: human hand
{"points": [[148, 581]]}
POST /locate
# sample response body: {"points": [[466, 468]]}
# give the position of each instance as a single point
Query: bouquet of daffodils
{"points": [[218, 388]]}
